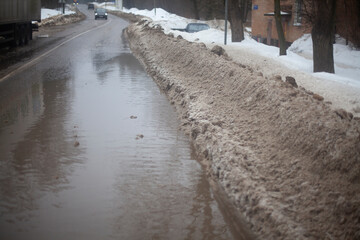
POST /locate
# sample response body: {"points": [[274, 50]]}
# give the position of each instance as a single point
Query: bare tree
{"points": [[196, 9], [238, 10], [208, 9], [279, 27], [348, 20], [321, 15]]}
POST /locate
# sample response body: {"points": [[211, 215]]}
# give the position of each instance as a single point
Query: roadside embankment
{"points": [[63, 19], [128, 16], [287, 161]]}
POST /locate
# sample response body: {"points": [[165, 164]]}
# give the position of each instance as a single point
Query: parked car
{"points": [[193, 27], [91, 6], [100, 13]]}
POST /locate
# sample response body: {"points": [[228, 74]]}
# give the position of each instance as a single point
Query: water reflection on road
{"points": [[89, 149]]}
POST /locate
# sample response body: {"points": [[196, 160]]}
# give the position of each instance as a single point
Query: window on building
{"points": [[297, 13]]}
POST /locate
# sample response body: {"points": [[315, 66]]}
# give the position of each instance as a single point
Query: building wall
{"points": [[347, 21], [261, 24]]}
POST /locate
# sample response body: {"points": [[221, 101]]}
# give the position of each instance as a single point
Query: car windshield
{"points": [[100, 10], [196, 27]]}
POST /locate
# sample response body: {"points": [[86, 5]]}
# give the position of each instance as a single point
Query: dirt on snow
{"points": [[63, 19], [288, 161]]}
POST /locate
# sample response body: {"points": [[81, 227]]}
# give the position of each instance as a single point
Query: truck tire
{"points": [[22, 34], [27, 30], [16, 41], [30, 31]]}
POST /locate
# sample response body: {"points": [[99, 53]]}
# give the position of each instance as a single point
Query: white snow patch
{"points": [[47, 13]]}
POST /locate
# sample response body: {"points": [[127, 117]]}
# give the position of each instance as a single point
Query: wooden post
{"points": [[226, 20], [269, 32]]}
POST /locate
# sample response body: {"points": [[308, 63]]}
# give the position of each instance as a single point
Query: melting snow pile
{"points": [[48, 13]]}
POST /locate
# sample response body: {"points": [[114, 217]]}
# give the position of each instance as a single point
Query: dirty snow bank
{"points": [[341, 89], [289, 163], [51, 17]]}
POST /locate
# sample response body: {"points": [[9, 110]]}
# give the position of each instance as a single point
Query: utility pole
{"points": [[226, 20], [62, 2], [155, 6], [279, 28]]}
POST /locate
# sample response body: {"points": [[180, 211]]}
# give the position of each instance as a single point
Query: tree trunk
{"points": [[322, 35], [196, 9], [279, 28], [323, 57], [236, 22]]}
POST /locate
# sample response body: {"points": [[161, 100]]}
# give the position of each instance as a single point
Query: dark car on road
{"points": [[91, 6], [100, 13]]}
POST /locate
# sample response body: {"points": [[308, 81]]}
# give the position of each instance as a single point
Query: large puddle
{"points": [[90, 149]]}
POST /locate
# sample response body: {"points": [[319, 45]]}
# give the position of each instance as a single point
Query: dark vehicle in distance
{"points": [[193, 27], [16, 18], [100, 13], [91, 6]]}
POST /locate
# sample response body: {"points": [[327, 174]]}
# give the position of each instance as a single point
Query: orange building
{"points": [[264, 26]]}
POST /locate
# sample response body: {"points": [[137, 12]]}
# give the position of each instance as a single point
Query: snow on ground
{"points": [[341, 88], [47, 13]]}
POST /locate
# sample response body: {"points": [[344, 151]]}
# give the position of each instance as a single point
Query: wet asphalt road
{"points": [[89, 146]]}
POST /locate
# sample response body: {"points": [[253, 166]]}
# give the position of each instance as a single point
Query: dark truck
{"points": [[16, 18], [193, 27]]}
